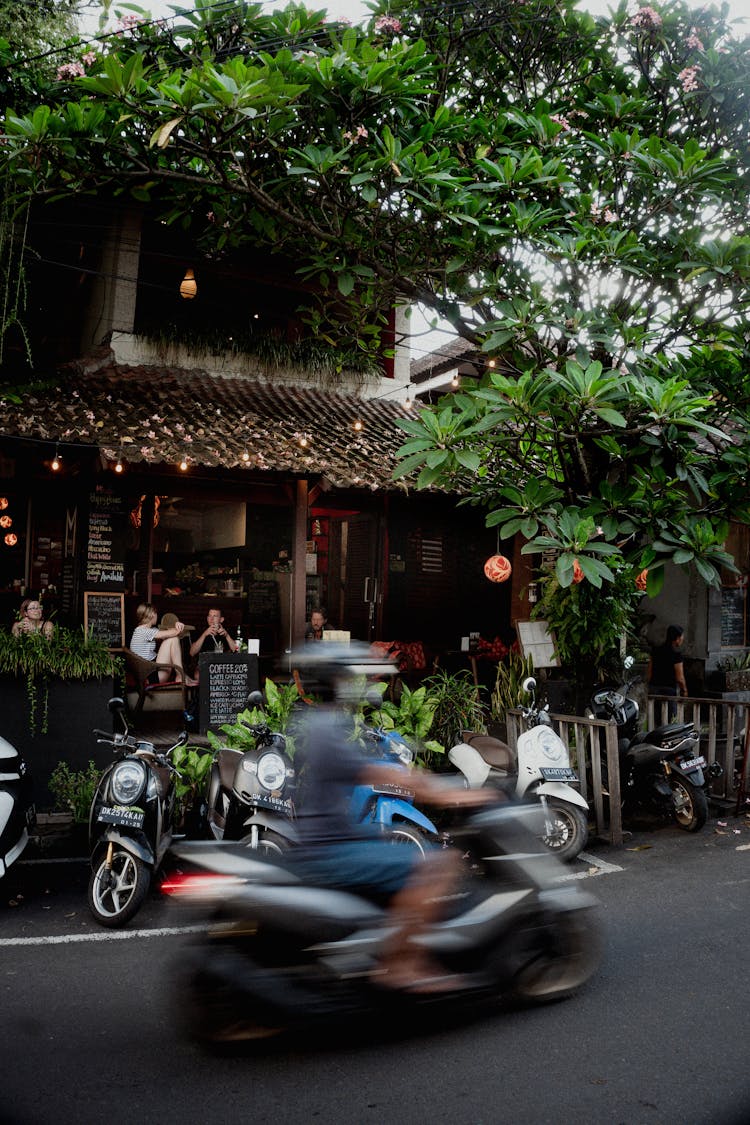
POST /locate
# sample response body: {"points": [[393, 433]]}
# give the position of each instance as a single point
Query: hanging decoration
{"points": [[578, 575], [641, 580], [3, 503], [498, 568], [6, 521], [11, 539], [189, 286]]}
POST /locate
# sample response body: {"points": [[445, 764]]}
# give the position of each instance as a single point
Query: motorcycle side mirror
{"points": [[628, 663], [528, 685], [255, 699], [374, 699], [115, 705]]}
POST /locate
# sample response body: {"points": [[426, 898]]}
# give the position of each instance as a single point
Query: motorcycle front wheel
{"points": [[689, 804], [116, 895], [567, 829], [267, 842], [569, 952]]}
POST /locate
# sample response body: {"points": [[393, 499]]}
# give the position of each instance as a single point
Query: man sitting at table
{"points": [[214, 637]]}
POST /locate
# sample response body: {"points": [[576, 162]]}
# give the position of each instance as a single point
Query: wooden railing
{"points": [[719, 721]]}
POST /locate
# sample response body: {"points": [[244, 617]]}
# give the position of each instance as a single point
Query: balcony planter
{"points": [[54, 693], [738, 679]]}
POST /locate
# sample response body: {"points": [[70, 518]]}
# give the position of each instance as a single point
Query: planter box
{"points": [[738, 680], [74, 709]]}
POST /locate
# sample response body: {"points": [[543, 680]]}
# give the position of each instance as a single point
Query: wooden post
{"points": [[299, 577]]}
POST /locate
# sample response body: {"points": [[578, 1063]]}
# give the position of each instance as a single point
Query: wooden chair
{"points": [[140, 669]]}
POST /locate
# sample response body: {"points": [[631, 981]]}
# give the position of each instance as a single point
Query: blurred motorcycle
{"points": [[278, 955], [17, 813]]}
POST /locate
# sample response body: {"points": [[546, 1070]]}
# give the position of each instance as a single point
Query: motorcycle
{"points": [[281, 956], [540, 771], [392, 809], [130, 823], [251, 792], [17, 812], [660, 770]]}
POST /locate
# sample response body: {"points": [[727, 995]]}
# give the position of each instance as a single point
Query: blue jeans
{"points": [[376, 869]]}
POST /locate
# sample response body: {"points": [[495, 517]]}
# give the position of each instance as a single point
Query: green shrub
{"points": [[74, 789]]}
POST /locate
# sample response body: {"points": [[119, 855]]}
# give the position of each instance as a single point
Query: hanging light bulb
{"points": [[358, 425], [246, 456], [184, 464], [454, 381], [56, 460], [303, 441], [118, 466], [189, 286], [490, 363], [408, 399]]}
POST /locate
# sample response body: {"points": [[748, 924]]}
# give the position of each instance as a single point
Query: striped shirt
{"points": [[142, 642]]}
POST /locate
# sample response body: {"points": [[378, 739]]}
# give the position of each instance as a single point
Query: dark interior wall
{"points": [[440, 603]]}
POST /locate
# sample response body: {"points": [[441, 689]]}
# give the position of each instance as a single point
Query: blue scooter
{"points": [[391, 807]]}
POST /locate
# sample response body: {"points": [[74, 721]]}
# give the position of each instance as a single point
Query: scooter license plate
{"points": [[558, 773], [694, 764], [119, 814]]}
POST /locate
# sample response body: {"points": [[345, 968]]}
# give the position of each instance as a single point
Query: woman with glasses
{"points": [[31, 620]]}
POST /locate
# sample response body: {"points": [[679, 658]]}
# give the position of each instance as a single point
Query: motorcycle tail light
{"points": [[204, 884]]}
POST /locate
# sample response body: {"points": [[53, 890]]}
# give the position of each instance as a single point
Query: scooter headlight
{"points": [[271, 771], [127, 782], [550, 745]]}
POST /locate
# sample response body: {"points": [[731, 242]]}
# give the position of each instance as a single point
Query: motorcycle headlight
{"points": [[271, 771], [127, 781], [551, 745]]}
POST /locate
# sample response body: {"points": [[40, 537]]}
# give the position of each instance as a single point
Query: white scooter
{"points": [[17, 815], [541, 771]]}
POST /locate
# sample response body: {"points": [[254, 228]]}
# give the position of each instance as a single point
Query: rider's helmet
{"points": [[342, 671]]}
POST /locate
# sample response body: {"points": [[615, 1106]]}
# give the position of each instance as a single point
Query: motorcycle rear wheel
{"points": [[690, 804], [569, 954], [115, 897], [570, 829], [211, 1016], [405, 834]]}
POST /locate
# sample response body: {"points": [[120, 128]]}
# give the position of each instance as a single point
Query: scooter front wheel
{"points": [[405, 834], [566, 829], [116, 893]]}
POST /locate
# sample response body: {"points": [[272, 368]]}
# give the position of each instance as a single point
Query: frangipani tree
{"points": [[569, 193]]}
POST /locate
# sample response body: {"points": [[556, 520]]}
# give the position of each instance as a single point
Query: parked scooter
{"points": [[130, 824], [392, 809], [660, 770], [17, 813], [539, 771], [251, 792], [279, 955]]}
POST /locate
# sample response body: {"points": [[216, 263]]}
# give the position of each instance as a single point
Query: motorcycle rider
{"points": [[335, 852]]}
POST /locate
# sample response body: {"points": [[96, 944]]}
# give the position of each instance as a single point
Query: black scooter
{"points": [[130, 824], [251, 792], [280, 955], [660, 770], [17, 813]]}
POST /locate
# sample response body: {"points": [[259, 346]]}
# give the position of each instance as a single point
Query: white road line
{"points": [[108, 935], [601, 866]]}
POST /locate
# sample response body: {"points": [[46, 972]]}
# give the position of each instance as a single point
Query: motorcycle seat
{"points": [[669, 730], [494, 751]]}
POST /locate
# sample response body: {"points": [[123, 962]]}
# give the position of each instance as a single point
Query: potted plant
{"points": [[507, 693], [458, 706], [73, 792], [736, 671]]}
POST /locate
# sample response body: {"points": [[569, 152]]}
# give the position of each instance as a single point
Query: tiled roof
{"points": [[155, 415], [448, 355]]}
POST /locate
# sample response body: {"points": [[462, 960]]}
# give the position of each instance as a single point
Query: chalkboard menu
{"points": [[263, 602], [225, 682], [105, 549], [104, 617], [732, 617]]}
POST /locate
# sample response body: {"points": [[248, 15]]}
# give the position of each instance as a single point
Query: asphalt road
{"points": [[658, 1037]]}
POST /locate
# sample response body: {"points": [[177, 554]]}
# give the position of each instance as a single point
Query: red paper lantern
{"points": [[578, 574], [641, 580], [498, 568]]}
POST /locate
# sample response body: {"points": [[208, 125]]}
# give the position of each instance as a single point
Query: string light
{"points": [[490, 363], [303, 442], [454, 382], [184, 464], [56, 460], [358, 425], [6, 521], [118, 466], [11, 539], [246, 456], [408, 400]]}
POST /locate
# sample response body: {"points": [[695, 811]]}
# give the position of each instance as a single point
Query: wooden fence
{"points": [[720, 723]]}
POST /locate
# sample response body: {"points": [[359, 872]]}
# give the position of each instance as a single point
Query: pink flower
{"points": [[692, 41], [89, 58], [646, 18], [689, 78], [560, 120], [359, 132], [70, 70], [388, 23], [610, 216]]}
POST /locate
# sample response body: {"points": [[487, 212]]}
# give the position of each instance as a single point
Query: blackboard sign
{"points": [[732, 617], [225, 682], [263, 602], [104, 617], [105, 548]]}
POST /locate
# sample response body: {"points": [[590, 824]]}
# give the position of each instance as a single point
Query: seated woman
{"points": [[145, 636], [30, 620]]}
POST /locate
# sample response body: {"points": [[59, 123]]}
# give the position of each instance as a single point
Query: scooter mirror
{"points": [[116, 704], [374, 699], [255, 699], [528, 684], [628, 663]]}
